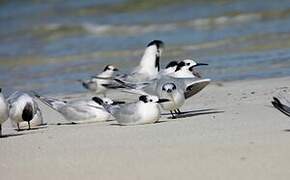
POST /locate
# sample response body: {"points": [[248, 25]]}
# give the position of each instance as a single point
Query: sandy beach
{"points": [[228, 131]]}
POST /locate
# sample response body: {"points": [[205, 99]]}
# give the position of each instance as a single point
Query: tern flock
{"points": [[154, 87]]}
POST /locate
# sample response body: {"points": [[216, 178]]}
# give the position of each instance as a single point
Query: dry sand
{"points": [[249, 140]]}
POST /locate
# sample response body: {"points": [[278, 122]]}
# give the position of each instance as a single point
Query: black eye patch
{"points": [[187, 64], [143, 98]]}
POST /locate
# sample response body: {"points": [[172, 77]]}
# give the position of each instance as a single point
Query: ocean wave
{"points": [[136, 29], [171, 26], [230, 19]]}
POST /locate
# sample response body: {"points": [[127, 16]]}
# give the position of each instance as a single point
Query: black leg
{"points": [[178, 111], [0, 130], [18, 128], [175, 111], [29, 125], [173, 117]]}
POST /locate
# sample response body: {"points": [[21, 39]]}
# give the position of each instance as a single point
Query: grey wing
{"points": [[142, 87], [55, 104], [13, 97], [73, 112], [127, 114], [195, 87]]}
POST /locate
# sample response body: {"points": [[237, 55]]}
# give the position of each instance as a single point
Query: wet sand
{"points": [[228, 131]]}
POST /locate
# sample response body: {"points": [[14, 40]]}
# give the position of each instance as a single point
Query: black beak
{"points": [[162, 100], [115, 69], [201, 64], [118, 102], [98, 77]]}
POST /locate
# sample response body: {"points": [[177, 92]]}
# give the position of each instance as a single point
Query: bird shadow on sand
{"points": [[158, 122], [65, 124], [23, 132], [79, 123], [193, 113], [32, 129], [11, 135]]}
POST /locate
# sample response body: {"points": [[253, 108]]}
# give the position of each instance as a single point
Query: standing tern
{"points": [[177, 90], [3, 110], [99, 85], [176, 96], [145, 111], [23, 108]]}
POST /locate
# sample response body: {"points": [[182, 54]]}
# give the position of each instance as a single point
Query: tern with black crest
{"points": [[145, 111], [77, 111], [23, 108], [149, 65], [98, 84]]}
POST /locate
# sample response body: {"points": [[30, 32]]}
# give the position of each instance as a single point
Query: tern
{"points": [[76, 111], [23, 108], [149, 65], [144, 111], [177, 90], [99, 85], [3, 110]]}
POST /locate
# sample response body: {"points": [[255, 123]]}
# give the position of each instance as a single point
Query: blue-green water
{"points": [[47, 45]]}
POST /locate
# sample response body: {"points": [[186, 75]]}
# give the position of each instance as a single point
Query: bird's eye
{"points": [[174, 88], [187, 64], [163, 89], [150, 100]]}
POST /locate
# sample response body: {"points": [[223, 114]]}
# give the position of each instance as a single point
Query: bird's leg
{"points": [[28, 125], [18, 128], [0, 130], [175, 111], [178, 111], [173, 117]]}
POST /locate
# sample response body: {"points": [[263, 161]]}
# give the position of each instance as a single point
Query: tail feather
{"points": [[139, 85], [85, 84], [55, 104], [281, 107]]}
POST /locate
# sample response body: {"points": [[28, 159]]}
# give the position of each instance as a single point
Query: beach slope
{"points": [[228, 131]]}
